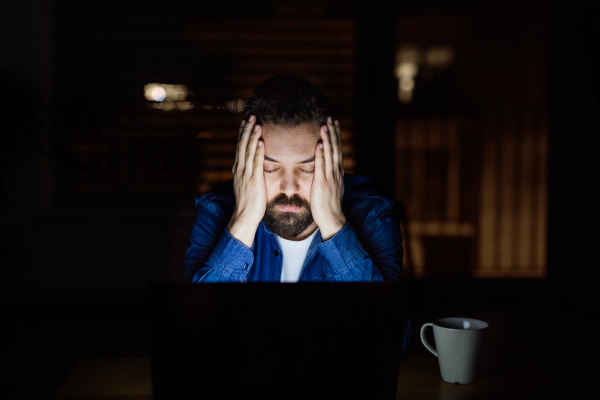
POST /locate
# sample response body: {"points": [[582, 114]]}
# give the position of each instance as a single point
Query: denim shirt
{"points": [[368, 248]]}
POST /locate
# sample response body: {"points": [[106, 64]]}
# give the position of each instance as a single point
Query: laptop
{"points": [[276, 340]]}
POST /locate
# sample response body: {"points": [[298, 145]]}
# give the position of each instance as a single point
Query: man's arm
{"points": [[219, 252], [372, 254], [328, 183], [347, 258], [248, 184], [214, 254]]}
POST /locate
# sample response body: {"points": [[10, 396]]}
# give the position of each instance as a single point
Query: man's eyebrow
{"points": [[308, 160]]}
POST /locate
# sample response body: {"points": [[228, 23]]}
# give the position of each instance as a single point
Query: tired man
{"points": [[290, 213]]}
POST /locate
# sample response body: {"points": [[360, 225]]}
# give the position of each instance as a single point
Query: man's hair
{"points": [[288, 100]]}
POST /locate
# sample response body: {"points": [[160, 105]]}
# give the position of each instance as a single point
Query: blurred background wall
{"points": [[479, 118]]}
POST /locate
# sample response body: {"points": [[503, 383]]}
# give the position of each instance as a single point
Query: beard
{"points": [[287, 224]]}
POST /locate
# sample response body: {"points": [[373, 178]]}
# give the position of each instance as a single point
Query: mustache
{"points": [[288, 224], [295, 200]]}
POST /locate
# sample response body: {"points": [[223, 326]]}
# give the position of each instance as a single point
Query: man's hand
{"points": [[248, 183], [328, 182]]}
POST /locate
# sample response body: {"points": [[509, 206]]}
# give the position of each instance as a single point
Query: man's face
{"points": [[289, 170]]}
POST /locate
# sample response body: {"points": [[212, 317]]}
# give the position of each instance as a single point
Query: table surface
{"points": [[559, 364], [530, 352], [129, 378]]}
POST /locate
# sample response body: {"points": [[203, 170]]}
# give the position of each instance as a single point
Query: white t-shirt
{"points": [[294, 253]]}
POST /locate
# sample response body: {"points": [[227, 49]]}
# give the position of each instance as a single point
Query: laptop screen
{"points": [[273, 340]]}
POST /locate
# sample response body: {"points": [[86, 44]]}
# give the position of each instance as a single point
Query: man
{"points": [[290, 213]]}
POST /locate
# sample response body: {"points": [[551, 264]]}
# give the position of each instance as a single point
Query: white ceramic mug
{"points": [[458, 342]]}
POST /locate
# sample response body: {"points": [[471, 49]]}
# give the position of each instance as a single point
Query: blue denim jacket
{"points": [[367, 248]]}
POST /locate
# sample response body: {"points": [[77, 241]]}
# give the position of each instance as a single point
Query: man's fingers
{"points": [[334, 142], [241, 130], [259, 159], [339, 144], [243, 144], [242, 124], [251, 151], [327, 152], [319, 162]]}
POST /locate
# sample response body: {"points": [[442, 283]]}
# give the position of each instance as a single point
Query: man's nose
{"points": [[289, 184]]}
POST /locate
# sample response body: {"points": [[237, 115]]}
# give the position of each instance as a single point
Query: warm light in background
{"points": [[408, 59], [439, 57], [157, 93], [184, 105], [167, 97], [236, 106], [167, 105], [407, 68]]}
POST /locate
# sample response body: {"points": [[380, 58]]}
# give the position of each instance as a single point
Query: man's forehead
{"points": [[290, 144], [308, 129]]}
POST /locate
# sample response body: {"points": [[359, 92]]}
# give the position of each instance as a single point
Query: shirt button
{"points": [[245, 266], [276, 253]]}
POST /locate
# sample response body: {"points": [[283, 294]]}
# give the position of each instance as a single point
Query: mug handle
{"points": [[424, 339]]}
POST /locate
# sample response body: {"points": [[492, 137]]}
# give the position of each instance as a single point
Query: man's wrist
{"points": [[330, 228], [243, 229]]}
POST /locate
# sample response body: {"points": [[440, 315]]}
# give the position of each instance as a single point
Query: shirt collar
{"points": [[317, 239]]}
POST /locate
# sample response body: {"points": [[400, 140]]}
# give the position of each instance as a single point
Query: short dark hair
{"points": [[288, 100]]}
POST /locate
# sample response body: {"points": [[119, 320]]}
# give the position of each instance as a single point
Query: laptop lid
{"points": [[276, 341]]}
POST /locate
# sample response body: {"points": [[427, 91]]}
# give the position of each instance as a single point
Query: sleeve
{"points": [[214, 254], [374, 257], [383, 242], [347, 260]]}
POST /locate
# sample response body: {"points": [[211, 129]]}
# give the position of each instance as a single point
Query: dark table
{"points": [[542, 344], [538, 347]]}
